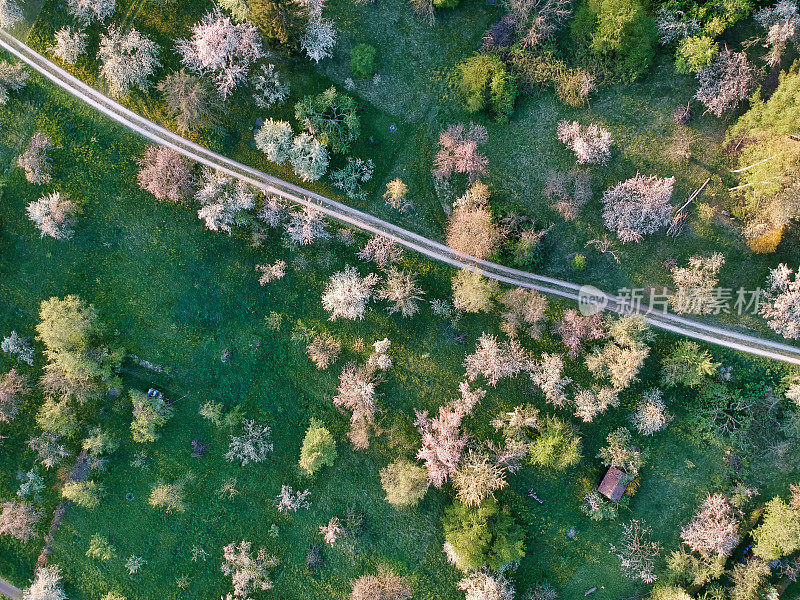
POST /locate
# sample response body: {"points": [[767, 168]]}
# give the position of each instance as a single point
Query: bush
{"points": [[484, 535], [557, 447], [578, 262], [485, 82], [100, 548], [362, 60], [83, 493], [319, 448], [445, 3], [404, 482], [694, 53], [618, 31]]}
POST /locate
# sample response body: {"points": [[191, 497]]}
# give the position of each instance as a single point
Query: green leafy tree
{"points": [[404, 482], [486, 83], [149, 413], [100, 548], [57, 417], [620, 32], [283, 22], [331, 117], [83, 493], [779, 533], [484, 535], [621, 453], [557, 447], [319, 448], [688, 365], [362, 60], [694, 53]]}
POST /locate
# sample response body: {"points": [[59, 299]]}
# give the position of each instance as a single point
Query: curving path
{"points": [[341, 212], [9, 591]]}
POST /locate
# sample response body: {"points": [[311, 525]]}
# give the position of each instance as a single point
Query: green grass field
{"points": [[177, 295]]}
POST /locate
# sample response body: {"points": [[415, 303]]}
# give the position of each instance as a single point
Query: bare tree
{"points": [[537, 21], [191, 103], [728, 80], [381, 250], [270, 273], [13, 78], [356, 393], [521, 308], [714, 529], [483, 585], [53, 216], [591, 145], [49, 449], [637, 551], [638, 207], [13, 386], [306, 226], [458, 152], [495, 360], [222, 49], [442, 440], [781, 22], [166, 173], [590, 403], [18, 519], [127, 60], [34, 161]]}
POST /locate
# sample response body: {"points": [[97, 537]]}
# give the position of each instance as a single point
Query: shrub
{"points": [[362, 60], [485, 82], [578, 262], [319, 448], [694, 53], [100, 548], [404, 482], [484, 535]]}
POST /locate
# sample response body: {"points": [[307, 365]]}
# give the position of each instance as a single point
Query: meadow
{"points": [[177, 296]]}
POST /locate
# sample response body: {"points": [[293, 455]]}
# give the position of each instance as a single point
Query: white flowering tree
{"points": [[714, 529], [356, 393], [347, 293], [548, 375], [401, 291], [696, 284], [638, 207], [252, 446], [18, 346], [318, 39], [728, 80], [166, 173], [222, 49], [34, 161], [53, 215], [46, 585], [13, 77], [590, 403], [10, 13], [591, 145], [268, 89], [651, 413], [127, 59], [274, 138], [309, 157], [780, 304], [70, 44], [306, 226], [483, 585], [86, 11], [222, 199], [248, 572], [495, 360]]}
